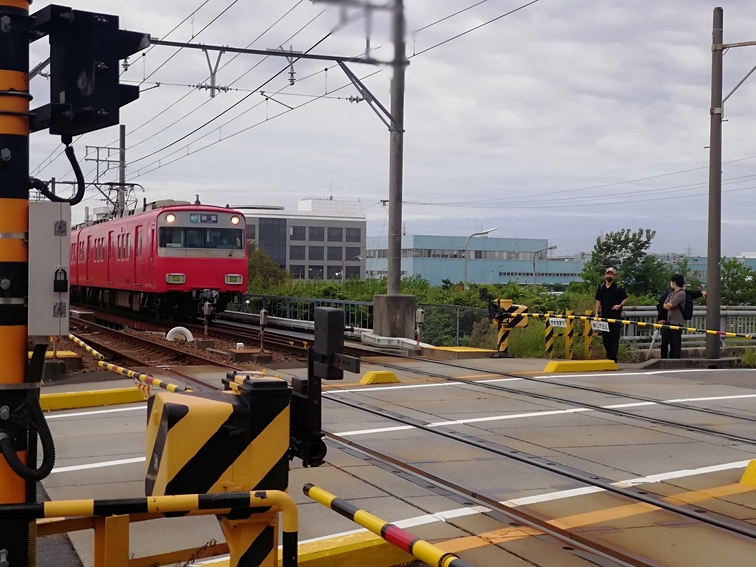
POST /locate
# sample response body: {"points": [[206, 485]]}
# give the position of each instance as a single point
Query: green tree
{"points": [[264, 273], [638, 272], [738, 283], [683, 268]]}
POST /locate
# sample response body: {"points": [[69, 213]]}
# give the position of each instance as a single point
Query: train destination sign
{"points": [[203, 218]]}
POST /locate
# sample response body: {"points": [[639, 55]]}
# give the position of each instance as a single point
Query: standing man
{"points": [[610, 299], [673, 306]]}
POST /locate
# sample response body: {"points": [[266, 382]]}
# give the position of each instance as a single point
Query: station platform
{"points": [[101, 454]]}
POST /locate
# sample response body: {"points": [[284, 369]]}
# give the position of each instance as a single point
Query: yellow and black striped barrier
{"points": [[139, 377], [587, 337], [643, 324], [142, 377], [505, 316], [569, 337], [204, 442], [548, 334], [398, 537], [86, 347], [218, 503]]}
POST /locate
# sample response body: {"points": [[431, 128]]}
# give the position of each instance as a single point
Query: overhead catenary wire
{"points": [[194, 36], [318, 98], [237, 103], [190, 92], [195, 109]]}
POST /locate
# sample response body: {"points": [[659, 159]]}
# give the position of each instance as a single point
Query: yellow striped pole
{"points": [[587, 336], [548, 335], [398, 537], [16, 538], [569, 336], [142, 377], [86, 347], [219, 503]]}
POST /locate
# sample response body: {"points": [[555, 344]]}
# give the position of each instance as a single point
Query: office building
{"points": [[321, 239]]}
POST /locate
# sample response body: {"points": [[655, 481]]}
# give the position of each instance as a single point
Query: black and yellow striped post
{"points": [[587, 335], [224, 441], [15, 537], [548, 335], [569, 335], [422, 550], [506, 316]]}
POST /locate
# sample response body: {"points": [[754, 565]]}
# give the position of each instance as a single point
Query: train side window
{"points": [[128, 246]]}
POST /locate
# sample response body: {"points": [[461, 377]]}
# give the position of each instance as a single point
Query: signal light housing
{"points": [[85, 50]]}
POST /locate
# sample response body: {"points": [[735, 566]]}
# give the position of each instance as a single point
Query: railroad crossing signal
{"points": [[85, 50]]}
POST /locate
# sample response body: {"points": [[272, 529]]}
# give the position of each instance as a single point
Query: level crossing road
{"points": [[101, 451]]}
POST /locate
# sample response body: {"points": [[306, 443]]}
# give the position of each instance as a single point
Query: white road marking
{"points": [[545, 413], [101, 464], [94, 412]]}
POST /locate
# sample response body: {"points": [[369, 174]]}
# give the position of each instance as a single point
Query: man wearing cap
{"points": [[610, 299]]}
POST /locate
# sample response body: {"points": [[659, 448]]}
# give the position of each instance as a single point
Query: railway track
{"points": [[138, 351], [228, 331], [673, 512], [616, 410]]}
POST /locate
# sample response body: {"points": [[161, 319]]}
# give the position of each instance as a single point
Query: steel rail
{"points": [[641, 495], [145, 343], [518, 514], [563, 401], [595, 390]]}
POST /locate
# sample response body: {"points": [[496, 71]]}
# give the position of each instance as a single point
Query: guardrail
{"points": [[455, 324], [110, 519]]}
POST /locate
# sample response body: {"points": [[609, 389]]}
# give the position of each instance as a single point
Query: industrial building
{"points": [[321, 239], [476, 259]]}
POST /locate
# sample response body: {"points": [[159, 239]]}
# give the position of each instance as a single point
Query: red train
{"points": [[167, 258]]}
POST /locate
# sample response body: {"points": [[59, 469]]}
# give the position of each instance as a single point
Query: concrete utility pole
{"points": [[713, 266], [396, 155], [122, 173]]}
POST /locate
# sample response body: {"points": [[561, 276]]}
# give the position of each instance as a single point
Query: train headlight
{"points": [[170, 218], [235, 220], [233, 279], [175, 278]]}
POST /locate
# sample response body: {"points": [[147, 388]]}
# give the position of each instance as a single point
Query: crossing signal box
{"points": [[85, 51]]}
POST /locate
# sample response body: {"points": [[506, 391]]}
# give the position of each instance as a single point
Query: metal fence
{"points": [[454, 325], [358, 314]]}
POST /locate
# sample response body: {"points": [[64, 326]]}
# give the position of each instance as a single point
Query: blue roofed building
{"points": [[485, 260]]}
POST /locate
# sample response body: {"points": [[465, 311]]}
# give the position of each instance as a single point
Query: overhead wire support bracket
{"points": [[269, 53], [213, 70], [380, 111]]}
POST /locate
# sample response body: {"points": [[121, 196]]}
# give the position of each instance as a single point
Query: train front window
{"points": [[186, 237]]}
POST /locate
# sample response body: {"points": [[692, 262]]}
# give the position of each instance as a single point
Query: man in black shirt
{"points": [[610, 299]]}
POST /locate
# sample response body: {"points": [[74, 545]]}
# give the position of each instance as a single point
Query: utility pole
{"points": [[714, 253], [396, 155], [121, 206]]}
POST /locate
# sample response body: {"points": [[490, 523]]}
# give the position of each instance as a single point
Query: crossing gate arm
{"points": [[398, 537]]}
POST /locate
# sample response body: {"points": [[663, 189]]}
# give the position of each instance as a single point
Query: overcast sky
{"points": [[563, 120]]}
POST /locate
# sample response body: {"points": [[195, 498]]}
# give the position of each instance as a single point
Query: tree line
{"points": [[643, 275]]}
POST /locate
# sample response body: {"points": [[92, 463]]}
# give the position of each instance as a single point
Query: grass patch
{"points": [[749, 358]]}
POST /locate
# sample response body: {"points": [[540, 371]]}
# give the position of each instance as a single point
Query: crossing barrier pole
{"points": [[422, 550], [587, 335], [569, 336], [548, 335]]}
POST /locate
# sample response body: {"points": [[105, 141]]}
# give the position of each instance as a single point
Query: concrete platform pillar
{"points": [[394, 316]]}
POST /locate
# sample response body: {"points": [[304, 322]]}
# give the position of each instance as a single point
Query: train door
{"points": [[150, 260], [87, 258], [109, 259], [138, 265]]}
